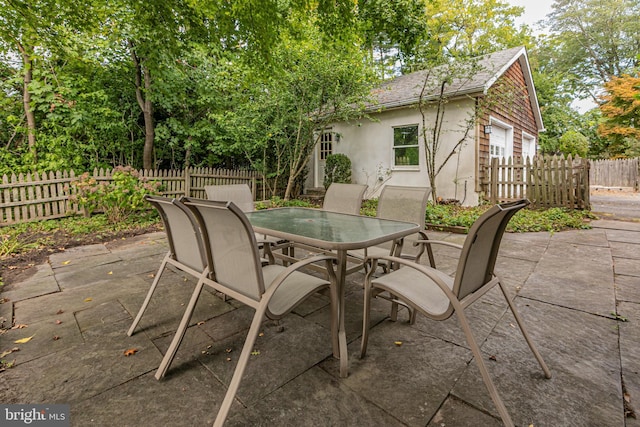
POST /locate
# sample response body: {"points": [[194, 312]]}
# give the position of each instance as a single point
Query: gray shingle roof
{"points": [[405, 90]]}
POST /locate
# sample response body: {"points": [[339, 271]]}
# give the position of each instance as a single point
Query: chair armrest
{"points": [[437, 242], [427, 271]]}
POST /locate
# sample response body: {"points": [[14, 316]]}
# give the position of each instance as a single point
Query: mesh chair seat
{"points": [[438, 296]]}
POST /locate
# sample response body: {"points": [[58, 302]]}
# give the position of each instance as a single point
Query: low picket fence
{"points": [[40, 196], [547, 181]]}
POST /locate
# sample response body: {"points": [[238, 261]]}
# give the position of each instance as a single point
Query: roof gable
{"points": [[404, 91]]}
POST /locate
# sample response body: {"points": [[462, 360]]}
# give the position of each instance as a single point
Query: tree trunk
{"points": [[290, 182], [143, 96], [26, 97]]}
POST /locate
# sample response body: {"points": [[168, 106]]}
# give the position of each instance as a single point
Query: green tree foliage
{"points": [[574, 143], [311, 84], [594, 40], [460, 28]]}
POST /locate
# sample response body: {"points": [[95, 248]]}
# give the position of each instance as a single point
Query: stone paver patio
{"points": [[573, 289]]}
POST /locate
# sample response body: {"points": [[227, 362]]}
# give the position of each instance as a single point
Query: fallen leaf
{"points": [[58, 322], [56, 337], [60, 311], [12, 267], [255, 352], [228, 350], [24, 340], [493, 357], [66, 262], [130, 352], [88, 299], [200, 323], [111, 272], [19, 326], [6, 353], [228, 359], [261, 334], [398, 343]]}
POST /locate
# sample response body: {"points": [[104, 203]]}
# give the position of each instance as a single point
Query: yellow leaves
{"points": [[24, 340], [66, 262], [398, 343], [111, 272], [88, 299], [130, 352], [255, 352], [8, 352]]}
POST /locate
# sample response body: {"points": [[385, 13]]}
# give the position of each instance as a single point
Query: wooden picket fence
{"points": [[547, 181], [40, 196], [621, 173]]}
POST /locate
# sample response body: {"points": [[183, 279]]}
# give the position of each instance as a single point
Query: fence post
{"points": [[187, 182], [493, 184]]}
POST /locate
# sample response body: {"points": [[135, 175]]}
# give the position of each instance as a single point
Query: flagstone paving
{"points": [[578, 292]]}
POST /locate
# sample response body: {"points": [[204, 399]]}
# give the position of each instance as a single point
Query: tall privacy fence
{"points": [[616, 173], [34, 197], [547, 181]]}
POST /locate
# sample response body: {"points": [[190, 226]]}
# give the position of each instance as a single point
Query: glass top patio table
{"points": [[328, 230], [334, 232]]}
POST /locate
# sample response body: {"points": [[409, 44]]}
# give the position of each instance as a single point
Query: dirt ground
{"points": [[20, 265]]}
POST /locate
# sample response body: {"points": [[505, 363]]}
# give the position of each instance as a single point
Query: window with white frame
{"points": [[326, 144], [405, 146]]}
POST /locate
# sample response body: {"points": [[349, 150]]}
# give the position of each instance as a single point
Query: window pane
{"points": [[405, 136], [326, 145], [407, 156]]}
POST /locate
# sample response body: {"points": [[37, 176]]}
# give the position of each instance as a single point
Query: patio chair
{"points": [[341, 198], [185, 245], [240, 195], [344, 198], [437, 295], [400, 203], [234, 268]]}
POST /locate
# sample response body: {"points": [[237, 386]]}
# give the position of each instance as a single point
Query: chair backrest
{"points": [[344, 198], [480, 249], [230, 245], [183, 233], [239, 194], [404, 203]]}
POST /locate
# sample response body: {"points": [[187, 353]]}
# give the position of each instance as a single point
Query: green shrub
{"points": [[337, 169], [553, 219], [119, 198]]}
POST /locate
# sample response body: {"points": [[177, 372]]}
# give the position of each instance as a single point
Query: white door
{"points": [[325, 147], [498, 142], [528, 146]]}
